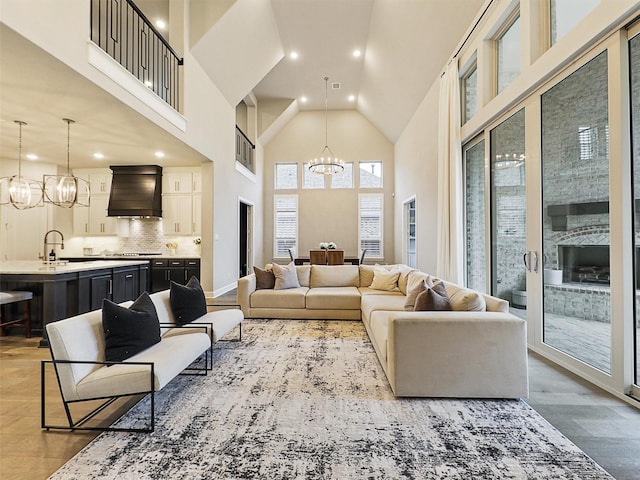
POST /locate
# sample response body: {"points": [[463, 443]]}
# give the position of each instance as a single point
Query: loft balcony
{"points": [[119, 28]]}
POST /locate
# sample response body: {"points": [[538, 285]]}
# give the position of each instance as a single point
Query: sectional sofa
{"points": [[458, 353]]}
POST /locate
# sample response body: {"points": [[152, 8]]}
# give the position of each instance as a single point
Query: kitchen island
{"points": [[62, 289]]}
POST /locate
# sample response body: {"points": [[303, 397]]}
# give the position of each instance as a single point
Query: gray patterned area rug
{"points": [[308, 399]]}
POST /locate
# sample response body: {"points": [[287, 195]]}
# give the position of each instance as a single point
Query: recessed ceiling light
{"points": [[98, 155], [159, 154], [293, 55], [357, 53], [161, 24], [352, 98], [303, 99], [32, 156]]}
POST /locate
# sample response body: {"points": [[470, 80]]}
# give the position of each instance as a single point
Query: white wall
{"points": [[327, 214], [416, 161]]}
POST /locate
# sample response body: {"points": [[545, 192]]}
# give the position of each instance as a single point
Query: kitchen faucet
{"points": [[45, 243]]}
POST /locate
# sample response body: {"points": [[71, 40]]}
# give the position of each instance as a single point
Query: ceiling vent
{"points": [[335, 85]]}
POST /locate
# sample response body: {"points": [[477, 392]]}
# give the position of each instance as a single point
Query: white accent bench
{"points": [[77, 347]]}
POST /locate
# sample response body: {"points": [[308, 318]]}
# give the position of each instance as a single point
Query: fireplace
{"points": [[584, 263]]}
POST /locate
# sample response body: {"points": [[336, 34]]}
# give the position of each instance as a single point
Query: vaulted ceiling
{"points": [[245, 47]]}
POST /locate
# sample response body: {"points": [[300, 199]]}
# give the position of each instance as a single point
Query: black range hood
{"points": [[136, 191]]}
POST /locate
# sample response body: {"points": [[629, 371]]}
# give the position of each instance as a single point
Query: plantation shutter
{"points": [[371, 230], [286, 224]]}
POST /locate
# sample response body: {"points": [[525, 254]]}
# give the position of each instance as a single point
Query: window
{"points": [[344, 179], [370, 229], [370, 174], [565, 14], [310, 179], [509, 55], [469, 89], [286, 176], [285, 231]]}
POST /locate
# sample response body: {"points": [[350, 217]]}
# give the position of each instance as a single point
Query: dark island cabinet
{"points": [[144, 279], [164, 270], [93, 286], [126, 284]]}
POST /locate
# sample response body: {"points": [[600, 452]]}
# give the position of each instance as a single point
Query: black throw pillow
{"points": [[128, 331], [187, 301]]}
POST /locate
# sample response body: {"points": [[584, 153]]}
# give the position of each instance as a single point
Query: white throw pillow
{"points": [[386, 280], [286, 276]]}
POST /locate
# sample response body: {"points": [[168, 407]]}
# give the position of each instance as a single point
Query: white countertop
{"points": [[37, 267]]}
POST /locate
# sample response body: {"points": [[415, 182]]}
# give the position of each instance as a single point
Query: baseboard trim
{"points": [[225, 289]]}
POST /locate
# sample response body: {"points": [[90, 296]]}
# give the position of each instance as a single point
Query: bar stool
{"points": [[8, 298]]}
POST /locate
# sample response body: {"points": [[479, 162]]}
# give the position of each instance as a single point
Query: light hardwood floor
{"points": [[602, 425]]}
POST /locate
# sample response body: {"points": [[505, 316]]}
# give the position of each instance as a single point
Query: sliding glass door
{"points": [[634, 68], [508, 212], [475, 217], [575, 204]]}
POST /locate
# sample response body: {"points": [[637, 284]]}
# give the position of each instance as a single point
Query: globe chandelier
{"points": [[66, 190], [18, 191]]}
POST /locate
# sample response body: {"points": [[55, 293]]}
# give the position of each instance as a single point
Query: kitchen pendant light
{"points": [[327, 163], [20, 192], [66, 190]]}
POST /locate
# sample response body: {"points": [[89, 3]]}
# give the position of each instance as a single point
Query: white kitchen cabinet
{"points": [[197, 215], [177, 214], [93, 220], [181, 206], [177, 182], [81, 220], [197, 182]]}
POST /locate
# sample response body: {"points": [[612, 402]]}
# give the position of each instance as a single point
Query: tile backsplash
{"points": [[145, 235]]}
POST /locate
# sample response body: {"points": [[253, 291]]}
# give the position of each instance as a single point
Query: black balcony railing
{"points": [[244, 150], [120, 28]]}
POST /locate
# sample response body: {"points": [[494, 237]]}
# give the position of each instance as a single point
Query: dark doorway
{"points": [[244, 238]]}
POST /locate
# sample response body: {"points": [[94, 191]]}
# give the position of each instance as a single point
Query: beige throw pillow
{"points": [[403, 279], [384, 279], [466, 300], [286, 276]]}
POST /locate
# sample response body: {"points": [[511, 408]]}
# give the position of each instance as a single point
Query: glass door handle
{"points": [[527, 257]]}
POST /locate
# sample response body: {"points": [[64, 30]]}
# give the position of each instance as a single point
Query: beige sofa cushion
{"points": [[370, 303], [289, 298], [334, 276], [304, 272], [337, 298], [464, 299], [371, 291]]}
